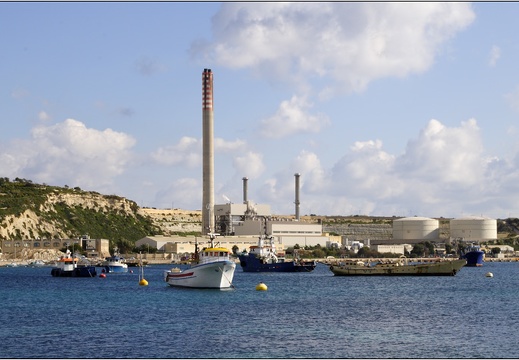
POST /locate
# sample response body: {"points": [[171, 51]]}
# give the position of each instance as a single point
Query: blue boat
{"points": [[263, 258], [114, 264], [474, 255], [69, 266]]}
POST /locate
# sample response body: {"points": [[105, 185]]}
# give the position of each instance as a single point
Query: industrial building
{"points": [[92, 247]]}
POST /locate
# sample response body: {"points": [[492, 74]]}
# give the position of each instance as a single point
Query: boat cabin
{"points": [[67, 263], [213, 254]]}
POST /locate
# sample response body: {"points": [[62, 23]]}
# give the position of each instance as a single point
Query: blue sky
{"points": [[383, 108]]}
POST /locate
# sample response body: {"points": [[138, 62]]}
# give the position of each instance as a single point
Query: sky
{"points": [[385, 109]]}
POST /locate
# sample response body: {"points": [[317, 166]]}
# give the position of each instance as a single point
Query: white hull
{"points": [[213, 275], [115, 268]]}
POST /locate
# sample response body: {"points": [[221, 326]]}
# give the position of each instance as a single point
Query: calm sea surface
{"points": [[302, 315]]}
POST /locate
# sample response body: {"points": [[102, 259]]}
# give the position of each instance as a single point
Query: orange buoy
{"points": [[102, 276]]}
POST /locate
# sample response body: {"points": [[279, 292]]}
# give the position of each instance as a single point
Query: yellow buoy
{"points": [[261, 287], [489, 274], [143, 282]]}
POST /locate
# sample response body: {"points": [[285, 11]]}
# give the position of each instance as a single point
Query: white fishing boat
{"points": [[212, 269], [114, 264], [37, 263]]}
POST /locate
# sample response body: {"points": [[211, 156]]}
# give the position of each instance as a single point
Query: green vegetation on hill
{"points": [[109, 217]]}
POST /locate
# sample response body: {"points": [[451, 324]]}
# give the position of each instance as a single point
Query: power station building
{"points": [[246, 219]]}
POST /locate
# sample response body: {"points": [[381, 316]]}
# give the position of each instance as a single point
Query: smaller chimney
{"points": [[297, 175], [245, 190]]}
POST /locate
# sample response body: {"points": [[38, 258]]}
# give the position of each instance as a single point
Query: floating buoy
{"points": [[143, 282], [261, 287], [131, 271], [102, 276], [489, 274]]}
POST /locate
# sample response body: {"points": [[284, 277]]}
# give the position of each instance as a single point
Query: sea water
{"points": [[301, 315]]}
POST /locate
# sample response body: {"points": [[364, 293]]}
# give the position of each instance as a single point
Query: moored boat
{"points": [[37, 263], [114, 264], [474, 255], [211, 269], [69, 266], [401, 267], [263, 258]]}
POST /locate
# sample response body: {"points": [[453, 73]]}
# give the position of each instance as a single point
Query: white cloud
{"points": [[186, 152], [495, 54], [221, 145], [68, 153], [43, 116], [250, 163], [291, 118], [347, 44], [513, 99], [452, 154], [183, 192], [444, 171], [367, 171]]}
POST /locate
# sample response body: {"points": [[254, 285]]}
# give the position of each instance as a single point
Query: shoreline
{"points": [[22, 262]]}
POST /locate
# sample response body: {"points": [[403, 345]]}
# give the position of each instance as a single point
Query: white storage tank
{"points": [[416, 229], [473, 228]]}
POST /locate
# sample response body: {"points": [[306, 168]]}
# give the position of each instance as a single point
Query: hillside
{"points": [[29, 211]]}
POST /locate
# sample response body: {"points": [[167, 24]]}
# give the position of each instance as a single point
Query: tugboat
{"points": [[263, 258], [68, 266], [474, 255], [212, 268]]}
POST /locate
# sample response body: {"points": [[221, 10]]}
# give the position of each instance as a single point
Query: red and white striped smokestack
{"points": [[297, 175], [207, 152]]}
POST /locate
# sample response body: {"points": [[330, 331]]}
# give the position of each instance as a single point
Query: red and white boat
{"points": [[212, 269]]}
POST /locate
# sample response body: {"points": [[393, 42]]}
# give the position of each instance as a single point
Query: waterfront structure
{"points": [[21, 248]]}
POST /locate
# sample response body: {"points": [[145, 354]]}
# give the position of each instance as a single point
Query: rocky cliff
{"points": [[29, 211]]}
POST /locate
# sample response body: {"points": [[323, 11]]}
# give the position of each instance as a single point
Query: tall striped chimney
{"points": [[207, 152], [297, 175]]}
